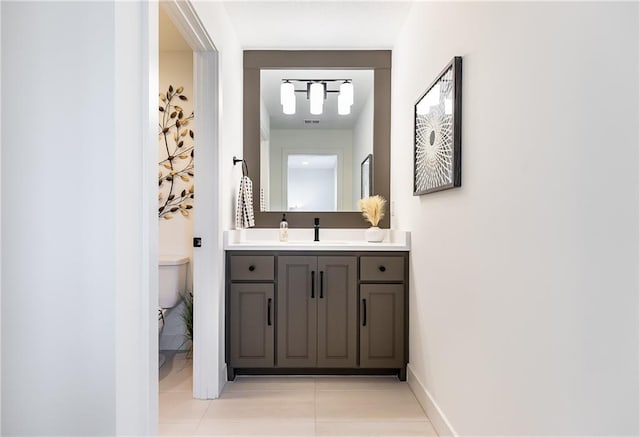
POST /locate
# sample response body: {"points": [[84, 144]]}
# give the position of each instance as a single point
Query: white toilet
{"points": [[173, 279], [172, 282]]}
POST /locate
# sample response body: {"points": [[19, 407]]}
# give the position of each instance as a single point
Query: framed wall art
{"points": [[437, 133], [366, 178]]}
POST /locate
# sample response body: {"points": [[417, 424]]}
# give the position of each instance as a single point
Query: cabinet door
{"points": [[382, 325], [252, 321], [297, 296], [337, 310]]}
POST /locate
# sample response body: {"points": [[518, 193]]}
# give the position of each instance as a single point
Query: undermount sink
{"points": [[306, 243], [300, 243]]}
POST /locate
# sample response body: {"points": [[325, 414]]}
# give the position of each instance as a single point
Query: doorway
{"points": [[205, 266], [312, 182]]}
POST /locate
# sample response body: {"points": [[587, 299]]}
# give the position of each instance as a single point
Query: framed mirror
{"points": [[308, 161]]}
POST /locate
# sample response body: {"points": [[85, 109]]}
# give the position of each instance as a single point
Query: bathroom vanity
{"points": [[336, 307]]}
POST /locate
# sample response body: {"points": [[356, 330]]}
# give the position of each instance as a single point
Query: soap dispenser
{"points": [[284, 229]]}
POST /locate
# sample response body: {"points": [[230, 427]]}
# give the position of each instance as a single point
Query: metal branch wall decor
{"points": [[175, 178], [437, 133]]}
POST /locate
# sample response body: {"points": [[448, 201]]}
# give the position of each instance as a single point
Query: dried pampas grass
{"points": [[372, 208]]}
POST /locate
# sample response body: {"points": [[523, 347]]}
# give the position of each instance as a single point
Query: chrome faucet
{"points": [[316, 229]]}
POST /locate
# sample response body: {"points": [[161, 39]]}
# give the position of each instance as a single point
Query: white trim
{"points": [[136, 267], [208, 323], [207, 271], [638, 242], [0, 215], [429, 405], [149, 204], [186, 20]]}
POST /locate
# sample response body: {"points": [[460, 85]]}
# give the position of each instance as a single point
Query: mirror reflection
{"points": [[316, 129]]}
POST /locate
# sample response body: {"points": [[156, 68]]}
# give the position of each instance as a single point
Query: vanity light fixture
{"points": [[317, 92]]}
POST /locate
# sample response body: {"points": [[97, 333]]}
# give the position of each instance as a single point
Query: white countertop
{"points": [[302, 240]]}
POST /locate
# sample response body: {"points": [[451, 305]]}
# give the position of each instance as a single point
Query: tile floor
{"points": [[289, 406]]}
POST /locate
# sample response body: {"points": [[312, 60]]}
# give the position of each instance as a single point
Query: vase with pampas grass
{"points": [[372, 209]]}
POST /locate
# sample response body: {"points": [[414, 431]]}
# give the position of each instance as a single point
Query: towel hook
{"points": [[245, 169]]}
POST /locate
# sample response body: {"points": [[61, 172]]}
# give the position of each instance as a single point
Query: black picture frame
{"points": [[366, 177], [437, 134]]}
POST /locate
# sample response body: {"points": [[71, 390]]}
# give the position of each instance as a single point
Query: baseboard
{"points": [[433, 411], [222, 379]]}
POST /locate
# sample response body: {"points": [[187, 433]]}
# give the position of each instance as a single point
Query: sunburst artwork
{"points": [[437, 133]]}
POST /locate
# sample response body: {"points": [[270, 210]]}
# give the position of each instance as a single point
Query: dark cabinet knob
{"points": [[252, 268], [382, 268]]}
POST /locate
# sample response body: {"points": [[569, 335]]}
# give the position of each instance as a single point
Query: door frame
{"points": [[207, 322]]}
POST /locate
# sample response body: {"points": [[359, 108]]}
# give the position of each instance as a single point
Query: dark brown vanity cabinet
{"points": [[250, 315], [302, 313], [317, 309], [383, 312], [251, 328], [382, 325]]}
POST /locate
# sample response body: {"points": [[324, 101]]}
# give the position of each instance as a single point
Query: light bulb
{"points": [[316, 98], [344, 108], [346, 90]]}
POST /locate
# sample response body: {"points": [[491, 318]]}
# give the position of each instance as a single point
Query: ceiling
{"points": [[317, 24], [329, 119]]}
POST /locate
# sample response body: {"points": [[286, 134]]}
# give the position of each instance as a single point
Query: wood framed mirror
{"points": [[259, 64]]}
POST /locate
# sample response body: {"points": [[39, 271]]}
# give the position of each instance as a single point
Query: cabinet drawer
{"points": [[251, 268], [381, 268]]}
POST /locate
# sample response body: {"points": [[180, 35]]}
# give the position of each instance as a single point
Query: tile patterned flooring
{"points": [[290, 406]]}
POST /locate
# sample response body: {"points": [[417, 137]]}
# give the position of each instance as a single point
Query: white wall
{"points": [[176, 68], [524, 281], [74, 199], [337, 141], [362, 146], [57, 286]]}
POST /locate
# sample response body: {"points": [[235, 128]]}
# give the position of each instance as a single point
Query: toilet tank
{"points": [[172, 280]]}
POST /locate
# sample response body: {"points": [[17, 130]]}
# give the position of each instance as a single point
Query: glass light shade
{"points": [[289, 106], [346, 90], [316, 98], [286, 92], [288, 98], [344, 108]]}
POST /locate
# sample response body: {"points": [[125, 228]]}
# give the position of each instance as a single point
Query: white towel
{"points": [[244, 206], [263, 204]]}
